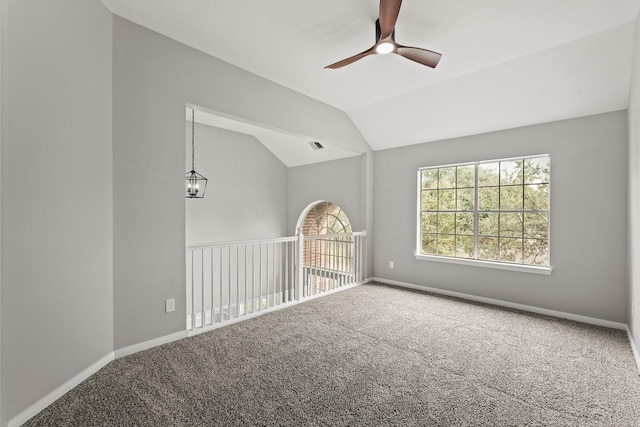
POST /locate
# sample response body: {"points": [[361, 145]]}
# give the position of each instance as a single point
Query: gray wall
{"points": [[634, 192], [57, 292], [246, 195], [345, 182], [154, 78], [588, 216], [337, 181]]}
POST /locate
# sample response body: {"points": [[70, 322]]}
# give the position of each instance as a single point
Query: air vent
{"points": [[316, 145]]}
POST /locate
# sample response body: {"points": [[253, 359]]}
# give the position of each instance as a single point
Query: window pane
{"points": [[447, 200], [464, 223], [331, 223], [342, 216], [536, 225], [446, 245], [447, 177], [511, 198], [466, 176], [430, 200], [536, 170], [488, 174], [488, 198], [536, 197], [488, 224], [511, 225], [511, 172], [429, 179], [488, 248], [429, 245], [511, 250], [429, 223], [536, 252], [466, 199], [446, 223], [464, 246], [493, 211]]}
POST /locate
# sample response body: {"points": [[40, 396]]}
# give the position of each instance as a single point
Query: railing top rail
{"points": [[241, 242], [271, 240], [333, 236]]}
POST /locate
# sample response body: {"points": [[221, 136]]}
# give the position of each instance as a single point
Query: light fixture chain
{"points": [[193, 147]]}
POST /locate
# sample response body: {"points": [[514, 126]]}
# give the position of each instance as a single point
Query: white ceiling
{"points": [[292, 149], [506, 63]]}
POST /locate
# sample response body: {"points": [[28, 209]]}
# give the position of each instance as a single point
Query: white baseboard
{"points": [[207, 328], [56, 394], [67, 386], [95, 367], [125, 351], [634, 349], [523, 307]]}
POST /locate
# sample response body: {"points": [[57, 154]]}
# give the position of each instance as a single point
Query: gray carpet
{"points": [[372, 355]]}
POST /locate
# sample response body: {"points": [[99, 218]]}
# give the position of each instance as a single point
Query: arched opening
{"points": [[328, 251], [229, 281], [324, 218]]}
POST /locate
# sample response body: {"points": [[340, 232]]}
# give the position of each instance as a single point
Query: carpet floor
{"points": [[371, 355]]}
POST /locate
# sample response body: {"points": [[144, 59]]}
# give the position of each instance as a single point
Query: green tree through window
{"points": [[492, 211]]}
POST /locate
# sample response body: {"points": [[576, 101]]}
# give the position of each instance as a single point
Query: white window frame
{"points": [[501, 265]]}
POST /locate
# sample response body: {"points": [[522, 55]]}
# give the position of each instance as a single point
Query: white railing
{"points": [[231, 281], [332, 261]]}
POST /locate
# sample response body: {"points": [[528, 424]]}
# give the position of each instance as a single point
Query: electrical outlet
{"points": [[391, 264], [170, 305]]}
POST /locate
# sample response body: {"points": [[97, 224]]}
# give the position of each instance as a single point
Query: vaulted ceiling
{"points": [[505, 63]]}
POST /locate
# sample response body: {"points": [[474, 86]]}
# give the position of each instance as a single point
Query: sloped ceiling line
{"points": [[505, 63]]}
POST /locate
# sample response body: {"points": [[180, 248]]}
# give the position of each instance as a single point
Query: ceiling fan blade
{"points": [[388, 15], [352, 59], [421, 56]]}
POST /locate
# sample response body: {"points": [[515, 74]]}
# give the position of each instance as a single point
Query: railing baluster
{"points": [[341, 243], [193, 295], [271, 286], [246, 275], [280, 268], [357, 260], [286, 272], [300, 265], [334, 267], [201, 278], [237, 282], [266, 264], [221, 287], [323, 263], [275, 274], [260, 280], [253, 278], [212, 309], [354, 258], [268, 276]]}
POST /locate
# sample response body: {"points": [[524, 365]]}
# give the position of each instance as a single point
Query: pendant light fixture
{"points": [[196, 183]]}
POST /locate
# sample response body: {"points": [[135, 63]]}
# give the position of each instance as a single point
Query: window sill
{"points": [[487, 264]]}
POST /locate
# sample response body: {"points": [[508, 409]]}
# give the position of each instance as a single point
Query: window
{"points": [[495, 211], [325, 218]]}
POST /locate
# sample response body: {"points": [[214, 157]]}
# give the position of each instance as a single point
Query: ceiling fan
{"points": [[386, 40]]}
